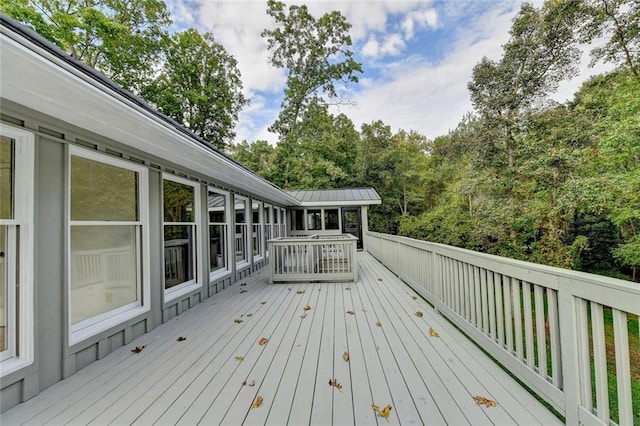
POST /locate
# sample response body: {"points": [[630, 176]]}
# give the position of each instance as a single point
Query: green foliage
{"points": [[121, 38], [316, 54], [199, 86]]}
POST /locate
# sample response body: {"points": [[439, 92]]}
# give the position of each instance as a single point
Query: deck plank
{"points": [[198, 381]]}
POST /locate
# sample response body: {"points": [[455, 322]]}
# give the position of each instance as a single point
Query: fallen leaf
{"points": [[351, 312], [379, 279], [384, 412], [335, 384], [300, 292], [414, 297], [181, 339], [433, 333], [248, 315], [307, 308], [253, 383], [243, 291], [289, 289], [481, 400], [263, 341], [379, 324], [243, 284], [237, 320], [262, 303], [257, 402], [345, 356], [348, 288], [239, 357], [419, 314], [303, 316], [138, 349]]}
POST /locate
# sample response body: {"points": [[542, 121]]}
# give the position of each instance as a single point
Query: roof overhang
{"points": [[40, 78]]}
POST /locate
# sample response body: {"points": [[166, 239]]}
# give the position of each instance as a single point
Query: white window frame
{"points": [[247, 211], [195, 283], [99, 323], [259, 238], [218, 273], [21, 353]]}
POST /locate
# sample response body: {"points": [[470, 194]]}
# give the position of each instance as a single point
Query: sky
{"points": [[417, 57]]}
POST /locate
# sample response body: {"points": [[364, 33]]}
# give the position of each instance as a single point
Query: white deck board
{"points": [[427, 380]]}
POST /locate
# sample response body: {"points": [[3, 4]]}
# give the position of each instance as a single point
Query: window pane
{"points": [[178, 254], [102, 192], [241, 243], [4, 289], [331, 219], [103, 269], [298, 218], [240, 211], [314, 220], [216, 206], [257, 248], [217, 247], [178, 202], [6, 177]]}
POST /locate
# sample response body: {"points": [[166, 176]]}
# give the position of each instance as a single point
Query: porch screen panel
{"points": [[104, 239], [331, 219], [241, 241]]}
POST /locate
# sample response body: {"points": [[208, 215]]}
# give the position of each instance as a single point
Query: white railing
{"points": [[90, 267], [565, 334], [314, 258]]}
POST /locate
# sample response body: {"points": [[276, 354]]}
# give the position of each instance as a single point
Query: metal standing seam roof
{"points": [[351, 196]]}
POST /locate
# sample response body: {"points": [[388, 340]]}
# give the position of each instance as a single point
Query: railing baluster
{"points": [[477, 296], [554, 337], [484, 303], [584, 364], [623, 370], [517, 319], [499, 308], [600, 361], [491, 288], [508, 315], [541, 330], [528, 323]]}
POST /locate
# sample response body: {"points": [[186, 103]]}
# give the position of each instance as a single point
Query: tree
{"points": [[257, 156], [199, 86], [120, 38], [316, 55], [619, 22]]}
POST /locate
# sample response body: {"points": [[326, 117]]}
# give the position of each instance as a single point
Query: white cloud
{"points": [[390, 45], [420, 18]]}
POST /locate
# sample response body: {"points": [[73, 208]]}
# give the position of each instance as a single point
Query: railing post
{"points": [[569, 347]]}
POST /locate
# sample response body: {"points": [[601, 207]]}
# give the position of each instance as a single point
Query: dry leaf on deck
{"points": [[307, 308], [348, 288], [433, 333], [239, 357], [243, 291], [257, 402], [414, 297], [335, 384], [237, 320], [248, 315], [181, 339], [351, 312], [289, 288], [419, 314], [138, 349], [262, 303], [379, 324], [481, 400], [243, 284], [263, 341], [303, 316], [300, 292], [379, 279], [253, 383], [345, 356], [384, 412]]}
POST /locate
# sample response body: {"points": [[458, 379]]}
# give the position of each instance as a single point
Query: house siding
{"points": [[54, 358]]}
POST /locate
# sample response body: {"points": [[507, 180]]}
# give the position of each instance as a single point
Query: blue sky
{"points": [[417, 57]]}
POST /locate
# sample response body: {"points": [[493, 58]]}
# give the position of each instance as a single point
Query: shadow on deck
{"points": [[216, 374]]}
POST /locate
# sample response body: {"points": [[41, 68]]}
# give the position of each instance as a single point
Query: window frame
{"points": [[217, 273], [258, 251], [195, 283], [91, 326], [20, 352], [245, 235]]}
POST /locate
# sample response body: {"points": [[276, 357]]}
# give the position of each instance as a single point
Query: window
{"points": [[276, 222], [16, 248], [298, 220], [241, 241], [218, 234], [181, 214], [107, 240], [314, 220], [268, 231], [283, 222], [257, 228], [331, 219]]}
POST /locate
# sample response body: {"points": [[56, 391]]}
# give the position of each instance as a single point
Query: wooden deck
{"points": [[393, 360]]}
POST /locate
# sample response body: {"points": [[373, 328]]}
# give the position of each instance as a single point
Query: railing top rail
{"points": [[312, 238]]}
